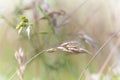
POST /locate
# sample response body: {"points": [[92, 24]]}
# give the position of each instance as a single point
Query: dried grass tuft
{"points": [[20, 57]]}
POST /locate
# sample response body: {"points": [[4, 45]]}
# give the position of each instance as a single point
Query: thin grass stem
{"points": [[98, 51], [26, 63]]}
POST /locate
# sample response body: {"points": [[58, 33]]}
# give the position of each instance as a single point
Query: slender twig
{"points": [[74, 11], [91, 60], [109, 57], [13, 75], [34, 57]]}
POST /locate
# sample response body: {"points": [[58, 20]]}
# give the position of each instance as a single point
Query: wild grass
{"points": [[44, 41]]}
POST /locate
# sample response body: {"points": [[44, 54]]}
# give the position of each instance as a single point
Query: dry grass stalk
{"points": [[72, 47], [51, 50], [20, 57], [109, 57], [89, 40], [96, 54]]}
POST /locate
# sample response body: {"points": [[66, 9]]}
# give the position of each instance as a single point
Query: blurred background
{"points": [[89, 22]]}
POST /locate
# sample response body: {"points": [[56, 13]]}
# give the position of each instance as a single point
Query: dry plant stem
{"points": [[34, 57], [75, 10], [13, 75], [91, 60], [109, 57]]}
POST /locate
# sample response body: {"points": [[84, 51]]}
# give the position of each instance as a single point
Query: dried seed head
{"points": [[54, 14], [22, 68], [72, 47], [19, 55], [20, 74]]}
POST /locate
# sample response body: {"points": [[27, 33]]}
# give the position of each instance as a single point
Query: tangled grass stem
{"points": [[26, 63], [98, 51], [34, 57], [11, 77]]}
